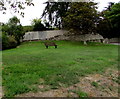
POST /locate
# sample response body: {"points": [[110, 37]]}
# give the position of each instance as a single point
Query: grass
{"points": [[23, 67], [80, 93], [95, 84]]}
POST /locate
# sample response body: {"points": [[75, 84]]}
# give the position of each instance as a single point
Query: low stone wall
{"points": [[61, 35], [86, 37], [114, 40], [42, 35]]}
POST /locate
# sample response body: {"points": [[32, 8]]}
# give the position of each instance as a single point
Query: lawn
{"points": [[25, 66]]}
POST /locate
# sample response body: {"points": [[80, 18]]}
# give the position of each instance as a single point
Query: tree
{"points": [[104, 28], [55, 11], [81, 18], [47, 25], [14, 28], [27, 28], [14, 5], [113, 14], [110, 6], [37, 25], [14, 21]]}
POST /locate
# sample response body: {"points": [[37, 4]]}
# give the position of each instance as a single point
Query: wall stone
{"points": [[61, 35], [42, 35], [114, 40], [86, 37]]}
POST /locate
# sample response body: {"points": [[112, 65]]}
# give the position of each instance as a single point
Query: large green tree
{"points": [[81, 18], [55, 11], [113, 14], [37, 25], [13, 28], [104, 27]]}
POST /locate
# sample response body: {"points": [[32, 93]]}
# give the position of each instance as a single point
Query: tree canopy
{"points": [[109, 23], [114, 16], [37, 25], [13, 28], [81, 17], [55, 11]]}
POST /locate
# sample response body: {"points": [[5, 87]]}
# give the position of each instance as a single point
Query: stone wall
{"points": [[42, 35], [114, 40], [86, 37], [61, 35]]}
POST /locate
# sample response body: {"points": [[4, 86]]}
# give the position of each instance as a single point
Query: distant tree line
{"points": [[83, 17], [39, 26]]}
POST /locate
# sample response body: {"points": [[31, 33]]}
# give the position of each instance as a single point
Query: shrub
{"points": [[12, 42], [38, 27], [8, 41], [5, 41], [95, 84], [27, 28]]}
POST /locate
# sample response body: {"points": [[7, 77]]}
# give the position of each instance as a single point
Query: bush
{"points": [[5, 42], [12, 42], [38, 27], [27, 28], [8, 41]]}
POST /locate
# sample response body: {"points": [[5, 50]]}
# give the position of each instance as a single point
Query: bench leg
{"points": [[46, 46], [55, 46]]}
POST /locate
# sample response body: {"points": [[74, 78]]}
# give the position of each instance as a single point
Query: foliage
{"points": [[54, 66], [47, 25], [55, 11], [37, 25], [27, 28], [82, 94], [5, 42], [14, 5], [109, 23], [12, 41], [81, 17], [8, 41], [15, 29], [95, 84], [12, 33], [34, 21], [114, 16], [104, 27]]}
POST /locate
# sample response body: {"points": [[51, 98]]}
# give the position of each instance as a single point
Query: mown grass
{"points": [[23, 67]]}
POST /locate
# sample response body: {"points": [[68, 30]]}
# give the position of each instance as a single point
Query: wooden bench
{"points": [[50, 44]]}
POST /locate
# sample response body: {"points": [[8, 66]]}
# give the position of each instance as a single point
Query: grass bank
{"points": [[25, 66]]}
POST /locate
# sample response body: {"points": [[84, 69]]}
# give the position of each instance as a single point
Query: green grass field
{"points": [[23, 67]]}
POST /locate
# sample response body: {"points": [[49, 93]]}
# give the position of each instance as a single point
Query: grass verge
{"points": [[24, 66]]}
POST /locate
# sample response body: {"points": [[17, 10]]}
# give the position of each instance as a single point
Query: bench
{"points": [[50, 44]]}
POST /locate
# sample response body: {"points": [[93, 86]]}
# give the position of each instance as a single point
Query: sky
{"points": [[33, 12]]}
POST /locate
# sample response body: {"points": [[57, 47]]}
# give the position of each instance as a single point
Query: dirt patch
{"points": [[95, 85]]}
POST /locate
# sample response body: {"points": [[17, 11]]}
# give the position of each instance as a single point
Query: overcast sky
{"points": [[33, 12]]}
